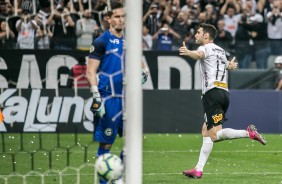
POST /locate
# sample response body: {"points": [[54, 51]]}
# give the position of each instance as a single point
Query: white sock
{"points": [[204, 153], [229, 133]]}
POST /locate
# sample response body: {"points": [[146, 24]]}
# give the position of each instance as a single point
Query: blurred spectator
{"points": [[259, 35], [195, 19], [211, 14], [191, 10], [69, 7], [252, 34], [43, 37], [274, 27], [235, 4], [192, 21], [224, 38], [278, 78], [43, 15], [6, 36], [26, 27], [6, 8], [147, 40], [262, 7], [251, 5], [179, 25], [78, 73], [230, 16], [104, 25], [152, 18], [64, 29], [86, 28], [146, 6], [174, 8], [100, 5], [202, 17], [190, 41], [189, 6], [244, 41], [164, 37], [204, 3], [78, 5]]}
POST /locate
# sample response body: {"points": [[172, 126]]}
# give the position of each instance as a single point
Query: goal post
{"points": [[133, 92]]}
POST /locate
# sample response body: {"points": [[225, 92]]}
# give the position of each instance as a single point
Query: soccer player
{"points": [[106, 57], [215, 95]]}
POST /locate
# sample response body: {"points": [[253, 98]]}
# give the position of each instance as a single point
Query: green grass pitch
{"points": [[165, 156]]}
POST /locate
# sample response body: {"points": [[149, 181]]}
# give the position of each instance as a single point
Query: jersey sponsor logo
{"points": [[220, 84], [108, 132], [111, 51], [114, 41], [114, 50], [216, 118]]}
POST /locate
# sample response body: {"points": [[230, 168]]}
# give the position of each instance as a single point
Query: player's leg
{"points": [[106, 128], [219, 100], [216, 104], [219, 134], [103, 147], [206, 149]]}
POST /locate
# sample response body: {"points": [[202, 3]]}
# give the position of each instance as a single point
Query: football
{"points": [[109, 167]]}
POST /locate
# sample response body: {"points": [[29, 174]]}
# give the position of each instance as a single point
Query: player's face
{"points": [[117, 19], [199, 36]]}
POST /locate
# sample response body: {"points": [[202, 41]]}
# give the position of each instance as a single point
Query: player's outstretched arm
{"points": [[232, 64], [183, 51]]}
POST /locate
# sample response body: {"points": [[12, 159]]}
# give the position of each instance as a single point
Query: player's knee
{"points": [[205, 130], [213, 137], [204, 133]]}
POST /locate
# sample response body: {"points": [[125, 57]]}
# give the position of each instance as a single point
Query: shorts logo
{"points": [[216, 118], [108, 132]]}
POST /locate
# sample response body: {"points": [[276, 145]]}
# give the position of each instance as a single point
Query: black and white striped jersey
{"points": [[213, 67]]}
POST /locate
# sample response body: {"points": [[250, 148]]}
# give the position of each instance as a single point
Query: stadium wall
{"points": [[172, 99]]}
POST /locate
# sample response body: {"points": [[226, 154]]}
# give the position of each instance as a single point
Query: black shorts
{"points": [[215, 103]]}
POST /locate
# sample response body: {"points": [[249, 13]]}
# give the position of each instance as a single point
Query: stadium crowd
{"points": [[248, 29]]}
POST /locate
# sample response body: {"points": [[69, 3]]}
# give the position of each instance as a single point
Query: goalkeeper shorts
{"points": [[106, 127]]}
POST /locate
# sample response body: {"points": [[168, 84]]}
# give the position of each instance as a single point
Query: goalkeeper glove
{"points": [[145, 73], [97, 106]]}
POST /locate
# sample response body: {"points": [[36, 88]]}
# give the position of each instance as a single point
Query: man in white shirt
{"points": [[215, 98], [85, 30], [26, 28]]}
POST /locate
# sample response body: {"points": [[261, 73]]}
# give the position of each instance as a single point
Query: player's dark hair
{"points": [[114, 6], [208, 28]]}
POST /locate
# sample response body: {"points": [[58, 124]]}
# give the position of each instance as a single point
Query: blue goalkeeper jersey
{"points": [[108, 49]]}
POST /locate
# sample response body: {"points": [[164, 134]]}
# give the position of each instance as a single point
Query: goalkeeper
{"points": [[105, 58]]}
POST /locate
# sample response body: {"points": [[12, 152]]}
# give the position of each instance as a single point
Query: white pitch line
{"points": [[220, 173], [218, 151]]}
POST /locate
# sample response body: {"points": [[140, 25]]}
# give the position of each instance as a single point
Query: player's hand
{"points": [[145, 73], [232, 64], [98, 107], [183, 50]]}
